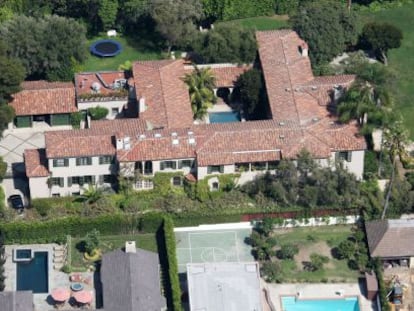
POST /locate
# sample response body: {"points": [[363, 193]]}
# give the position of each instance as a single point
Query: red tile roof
{"points": [[226, 74], [36, 163], [105, 80], [166, 95], [42, 97]]}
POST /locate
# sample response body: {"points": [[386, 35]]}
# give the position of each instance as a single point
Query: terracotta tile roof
{"points": [[226, 74], [78, 143], [390, 238], [130, 126], [36, 163], [166, 95], [42, 97], [105, 80], [345, 80]]}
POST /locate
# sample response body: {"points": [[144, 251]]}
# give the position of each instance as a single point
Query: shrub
{"points": [[42, 206], [174, 282], [287, 251], [346, 249], [383, 291], [317, 261], [3, 168], [98, 113], [91, 241], [76, 118], [271, 272]]}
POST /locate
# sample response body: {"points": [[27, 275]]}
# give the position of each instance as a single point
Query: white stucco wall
{"points": [[39, 187], [119, 104], [356, 165]]}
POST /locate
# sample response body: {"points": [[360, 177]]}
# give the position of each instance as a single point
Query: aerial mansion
{"points": [[150, 126]]}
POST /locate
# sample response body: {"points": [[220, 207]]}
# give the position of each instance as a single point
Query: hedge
{"points": [[383, 292], [234, 9], [56, 230], [174, 290]]}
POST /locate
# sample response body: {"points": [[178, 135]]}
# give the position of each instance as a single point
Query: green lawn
{"points": [[260, 23], [316, 240], [133, 49], [401, 60], [112, 242]]}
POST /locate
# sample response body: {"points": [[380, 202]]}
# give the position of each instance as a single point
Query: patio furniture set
{"points": [[75, 295]]}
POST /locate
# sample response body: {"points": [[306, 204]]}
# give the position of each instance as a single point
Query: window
{"points": [[168, 165], [185, 164], [258, 166], [106, 179], [242, 167], [272, 165], [105, 159], [83, 161], [114, 111], [60, 162], [344, 156], [215, 186], [212, 169], [57, 181], [81, 180], [144, 184], [177, 181]]}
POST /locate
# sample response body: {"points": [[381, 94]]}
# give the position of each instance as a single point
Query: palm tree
{"points": [[395, 139], [201, 83], [369, 97]]}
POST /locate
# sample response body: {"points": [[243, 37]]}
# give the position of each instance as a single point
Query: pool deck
{"points": [[43, 302], [317, 291]]}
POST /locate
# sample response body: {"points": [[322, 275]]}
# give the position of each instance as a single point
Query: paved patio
{"points": [[43, 302], [321, 291]]}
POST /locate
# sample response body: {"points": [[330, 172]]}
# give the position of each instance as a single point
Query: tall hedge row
{"points": [[56, 230], [234, 9], [174, 291], [382, 290]]}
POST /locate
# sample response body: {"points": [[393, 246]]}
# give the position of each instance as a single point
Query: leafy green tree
{"points": [[287, 251], [328, 28], [250, 89], [226, 43], [317, 261], [12, 74], [45, 45], [133, 10], [107, 12], [200, 85], [381, 37], [175, 19], [91, 241], [98, 113], [92, 195], [265, 226], [272, 272], [346, 249]]}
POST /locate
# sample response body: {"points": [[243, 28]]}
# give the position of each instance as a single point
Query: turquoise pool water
{"points": [[33, 275], [224, 117], [290, 303]]}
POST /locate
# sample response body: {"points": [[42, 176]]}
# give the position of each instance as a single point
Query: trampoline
{"points": [[106, 48]]}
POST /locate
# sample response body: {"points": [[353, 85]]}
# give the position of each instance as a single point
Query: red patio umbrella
{"points": [[60, 294], [83, 296]]}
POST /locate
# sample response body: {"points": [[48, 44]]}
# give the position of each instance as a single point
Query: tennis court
{"points": [[212, 246]]}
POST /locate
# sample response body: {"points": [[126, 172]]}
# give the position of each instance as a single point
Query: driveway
{"points": [[12, 147]]}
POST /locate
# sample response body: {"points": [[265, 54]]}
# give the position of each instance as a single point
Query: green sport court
{"points": [[212, 246]]}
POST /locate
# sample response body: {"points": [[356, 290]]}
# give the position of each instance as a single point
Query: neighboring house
{"points": [[43, 102], [230, 286], [107, 89], [164, 137], [391, 240], [16, 301], [131, 280]]}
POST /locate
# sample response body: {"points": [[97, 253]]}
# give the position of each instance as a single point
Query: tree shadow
{"points": [[80, 246], [335, 253]]}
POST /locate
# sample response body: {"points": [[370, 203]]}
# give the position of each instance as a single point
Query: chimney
{"points": [[304, 48], [141, 104], [130, 247]]}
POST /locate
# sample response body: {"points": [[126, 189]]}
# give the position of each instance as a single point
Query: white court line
{"points": [[208, 232], [237, 248]]}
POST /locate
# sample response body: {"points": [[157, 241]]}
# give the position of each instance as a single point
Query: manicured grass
{"points": [[401, 60], [108, 243], [132, 50], [311, 240], [261, 23]]}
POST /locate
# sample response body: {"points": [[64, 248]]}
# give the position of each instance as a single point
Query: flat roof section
{"points": [[227, 286]]}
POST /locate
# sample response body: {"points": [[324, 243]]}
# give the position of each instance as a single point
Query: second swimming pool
{"points": [[290, 303]]}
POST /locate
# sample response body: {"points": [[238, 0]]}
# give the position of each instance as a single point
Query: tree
{"points": [[288, 251], [12, 74], [250, 87], [265, 227], [317, 261], [328, 28], [45, 45], [98, 112], [271, 272], [200, 85], [107, 12], [175, 19], [225, 43], [346, 249], [133, 10], [92, 195], [91, 241], [381, 37]]}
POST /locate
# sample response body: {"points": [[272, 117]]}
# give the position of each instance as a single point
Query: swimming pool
{"points": [[224, 117], [290, 303], [33, 275]]}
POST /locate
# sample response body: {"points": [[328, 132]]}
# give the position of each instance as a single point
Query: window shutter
{"points": [[180, 164], [66, 162], [69, 181], [89, 160], [93, 180], [209, 169], [221, 168], [81, 180], [162, 166], [101, 179], [174, 164], [78, 160], [61, 182], [101, 160], [349, 156], [54, 163]]}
